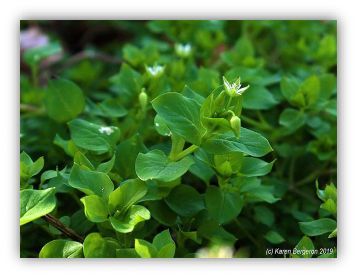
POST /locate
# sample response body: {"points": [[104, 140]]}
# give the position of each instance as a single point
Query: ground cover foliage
{"points": [[178, 139]]}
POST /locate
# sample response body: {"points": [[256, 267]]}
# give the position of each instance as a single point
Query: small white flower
{"points": [[156, 70], [183, 50], [107, 129], [157, 124], [234, 88]]}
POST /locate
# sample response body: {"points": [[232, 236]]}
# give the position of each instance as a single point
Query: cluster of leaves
{"points": [[172, 156]]}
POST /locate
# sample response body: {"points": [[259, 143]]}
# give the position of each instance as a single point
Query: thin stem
{"points": [[255, 123], [262, 119], [64, 229], [313, 176], [29, 108], [303, 194], [83, 55], [250, 237], [229, 101], [34, 73], [185, 152]]}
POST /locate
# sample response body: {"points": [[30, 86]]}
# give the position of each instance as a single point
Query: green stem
{"points": [[34, 72], [306, 196], [177, 144], [186, 152], [262, 119], [250, 237], [255, 123], [313, 176], [31, 109], [229, 102]]}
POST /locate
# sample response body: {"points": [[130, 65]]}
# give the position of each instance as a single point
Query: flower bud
{"points": [[235, 125], [183, 50], [225, 169], [143, 99]]}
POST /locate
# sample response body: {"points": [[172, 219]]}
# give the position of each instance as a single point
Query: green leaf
{"points": [[185, 201], [107, 166], [330, 192], [190, 94], [181, 115], [310, 89], [301, 94], [93, 137], [249, 142], [164, 244], [274, 237], [36, 203], [67, 145], [333, 233], [156, 165], [318, 227], [126, 153], [292, 119], [59, 181], [223, 206], [61, 248], [289, 87], [64, 100], [208, 79], [65, 220], [90, 182], [161, 126], [264, 215], [145, 249], [327, 86], [110, 108], [80, 223], [304, 249], [162, 239], [192, 236], [262, 193], [254, 167], [215, 233], [127, 194], [33, 56], [126, 223], [95, 246], [168, 251], [133, 55], [258, 97], [127, 83], [28, 168], [242, 52], [80, 159], [201, 170], [160, 211], [127, 253], [330, 206], [95, 208]]}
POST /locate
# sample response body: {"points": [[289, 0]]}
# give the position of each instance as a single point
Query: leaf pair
{"points": [[119, 206], [162, 246], [29, 168]]}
